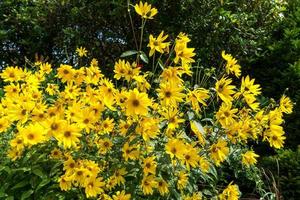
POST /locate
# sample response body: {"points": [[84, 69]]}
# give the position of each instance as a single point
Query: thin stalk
{"points": [[141, 40], [131, 23]]}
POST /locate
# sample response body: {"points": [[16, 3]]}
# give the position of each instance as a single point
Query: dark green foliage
{"points": [[285, 168], [55, 28]]}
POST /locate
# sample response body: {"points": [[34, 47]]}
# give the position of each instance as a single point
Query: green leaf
{"points": [[27, 194], [199, 127], [2, 194], [38, 172], [207, 192], [20, 184], [144, 57], [176, 194], [160, 63], [42, 183], [128, 53], [1, 93]]}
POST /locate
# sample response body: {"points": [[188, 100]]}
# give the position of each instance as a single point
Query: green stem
{"points": [[131, 23], [141, 40]]}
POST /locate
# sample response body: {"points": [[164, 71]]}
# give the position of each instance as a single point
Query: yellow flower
{"points": [[121, 196], [124, 126], [286, 105], [79, 176], [81, 51], [111, 183], [149, 165], [275, 136], [148, 184], [274, 132], [132, 72], [12, 90], [86, 119], [183, 179], [191, 157], [219, 151], [204, 164], [119, 176], [93, 75], [224, 89], [142, 84], [69, 137], [231, 66], [183, 53], [17, 143], [56, 154], [70, 166], [130, 152], [121, 69], [45, 68], [158, 44], [4, 124], [52, 89], [230, 193], [197, 98], [14, 154], [145, 10], [251, 101], [170, 95], [249, 158], [172, 75], [248, 89], [64, 183], [163, 187], [65, 73], [11, 74], [32, 134], [107, 126], [195, 196], [94, 186], [104, 145], [148, 127], [173, 117], [137, 103], [226, 116], [175, 147], [54, 125]]}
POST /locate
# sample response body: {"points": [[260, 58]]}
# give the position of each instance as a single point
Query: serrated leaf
{"points": [[144, 57], [128, 53]]}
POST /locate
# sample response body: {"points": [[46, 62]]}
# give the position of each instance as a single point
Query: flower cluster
{"points": [[138, 136]]}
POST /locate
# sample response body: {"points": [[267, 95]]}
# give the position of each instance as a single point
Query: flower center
{"points": [[135, 103], [67, 134]]}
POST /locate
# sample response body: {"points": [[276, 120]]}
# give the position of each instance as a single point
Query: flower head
{"points": [[82, 52], [145, 10]]}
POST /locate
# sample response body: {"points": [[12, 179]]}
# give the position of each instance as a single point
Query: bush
{"points": [[285, 168], [72, 132]]}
